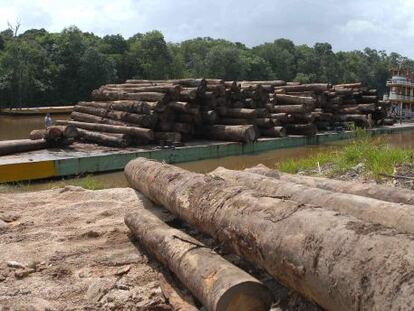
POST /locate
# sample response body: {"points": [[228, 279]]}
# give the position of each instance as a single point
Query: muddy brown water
{"points": [[20, 127]]}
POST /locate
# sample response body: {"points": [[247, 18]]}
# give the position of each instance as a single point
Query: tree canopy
{"points": [[41, 68]]}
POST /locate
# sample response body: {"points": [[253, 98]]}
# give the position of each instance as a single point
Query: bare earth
{"points": [[68, 249]]}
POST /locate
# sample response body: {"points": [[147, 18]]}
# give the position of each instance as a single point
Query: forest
{"points": [[40, 68]]}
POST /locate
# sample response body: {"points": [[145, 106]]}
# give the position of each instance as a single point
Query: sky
{"points": [[354, 24]]}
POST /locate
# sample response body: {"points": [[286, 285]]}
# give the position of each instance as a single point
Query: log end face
{"points": [[246, 296]]}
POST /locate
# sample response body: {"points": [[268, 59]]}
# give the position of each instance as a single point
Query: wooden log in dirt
{"points": [[217, 283], [336, 260], [129, 130], [276, 131], [105, 139], [239, 133], [393, 215], [21, 145]]}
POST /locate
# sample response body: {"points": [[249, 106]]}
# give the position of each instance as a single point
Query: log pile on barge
{"points": [[342, 251], [141, 112]]}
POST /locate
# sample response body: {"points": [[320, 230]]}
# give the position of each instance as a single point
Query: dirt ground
{"points": [[68, 249]]}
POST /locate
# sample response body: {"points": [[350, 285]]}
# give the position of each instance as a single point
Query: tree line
{"points": [[39, 68]]}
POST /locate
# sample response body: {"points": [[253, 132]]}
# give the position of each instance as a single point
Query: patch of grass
{"points": [[376, 156], [88, 182]]}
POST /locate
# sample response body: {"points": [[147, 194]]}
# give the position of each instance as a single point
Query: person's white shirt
{"points": [[48, 120]]}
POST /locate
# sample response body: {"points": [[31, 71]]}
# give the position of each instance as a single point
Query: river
{"points": [[20, 127]]}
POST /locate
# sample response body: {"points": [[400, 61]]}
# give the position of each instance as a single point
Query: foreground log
{"points": [[129, 130], [105, 139], [21, 145], [393, 215], [336, 260], [217, 283], [241, 133], [384, 193]]}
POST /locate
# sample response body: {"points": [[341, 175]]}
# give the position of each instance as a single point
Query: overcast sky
{"points": [[347, 25]]}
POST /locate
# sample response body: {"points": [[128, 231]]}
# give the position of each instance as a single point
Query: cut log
{"points": [[171, 89], [316, 87], [217, 283], [276, 131], [240, 133], [185, 107], [283, 99], [21, 145], [89, 118], [384, 193], [129, 130], [336, 260], [358, 119], [139, 107], [188, 94], [183, 82], [105, 139], [55, 133], [348, 85], [145, 96], [301, 129], [393, 215], [242, 113], [291, 109]]}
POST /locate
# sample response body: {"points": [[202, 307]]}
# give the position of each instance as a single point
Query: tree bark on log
{"points": [[384, 193], [291, 109], [237, 113], [145, 96], [178, 300], [133, 106], [217, 283], [316, 87], [21, 145], [183, 82], [276, 131], [89, 118], [294, 100], [336, 260], [393, 215], [240, 133], [348, 85], [105, 139], [129, 130]]}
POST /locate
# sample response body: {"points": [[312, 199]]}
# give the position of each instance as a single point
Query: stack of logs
{"points": [[139, 112], [343, 245]]}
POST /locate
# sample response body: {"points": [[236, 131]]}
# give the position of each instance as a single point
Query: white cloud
{"points": [[347, 25]]}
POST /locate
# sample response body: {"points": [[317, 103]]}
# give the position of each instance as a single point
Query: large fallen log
{"points": [[21, 145], [217, 283], [129, 130], [336, 260], [384, 193], [105, 139], [393, 215], [240, 133]]}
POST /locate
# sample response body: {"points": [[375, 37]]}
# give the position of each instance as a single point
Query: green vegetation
{"points": [[41, 68], [88, 182], [376, 156]]}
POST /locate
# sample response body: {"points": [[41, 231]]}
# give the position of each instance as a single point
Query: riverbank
{"points": [[362, 158]]}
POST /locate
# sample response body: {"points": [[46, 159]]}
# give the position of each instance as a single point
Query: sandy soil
{"points": [[68, 249]]}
